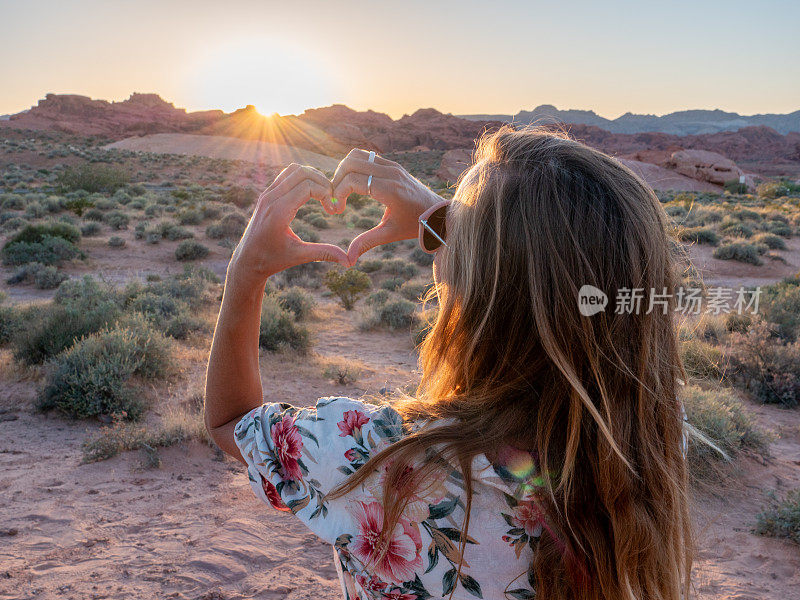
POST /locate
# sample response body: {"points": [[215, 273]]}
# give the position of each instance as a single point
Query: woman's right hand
{"points": [[403, 195]]}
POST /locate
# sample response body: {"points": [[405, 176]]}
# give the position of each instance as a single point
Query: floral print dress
{"points": [[295, 456]]}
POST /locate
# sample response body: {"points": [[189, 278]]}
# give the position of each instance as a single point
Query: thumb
{"points": [[380, 234], [327, 252]]}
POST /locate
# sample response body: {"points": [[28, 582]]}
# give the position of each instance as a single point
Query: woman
{"points": [[543, 451]]}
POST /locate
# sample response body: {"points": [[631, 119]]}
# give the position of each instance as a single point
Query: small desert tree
{"points": [[348, 285]]}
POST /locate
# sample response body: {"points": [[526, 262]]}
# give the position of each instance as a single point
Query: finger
{"points": [[282, 176], [356, 162], [295, 175], [328, 252], [353, 183], [380, 234], [305, 190]]}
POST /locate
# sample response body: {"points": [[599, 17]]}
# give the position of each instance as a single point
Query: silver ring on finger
{"points": [[370, 160]]}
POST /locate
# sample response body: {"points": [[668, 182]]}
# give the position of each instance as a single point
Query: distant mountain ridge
{"points": [[684, 122]]}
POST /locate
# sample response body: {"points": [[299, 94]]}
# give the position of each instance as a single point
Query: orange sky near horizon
{"points": [[465, 57]]}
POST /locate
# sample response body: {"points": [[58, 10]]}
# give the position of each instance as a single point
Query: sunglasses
{"points": [[433, 227]]}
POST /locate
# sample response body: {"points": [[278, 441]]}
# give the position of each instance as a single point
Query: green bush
{"points": [[770, 240], [92, 377], [12, 202], [117, 219], [780, 304], [230, 226], [378, 298], [173, 232], [422, 258], [737, 229], [777, 228], [348, 286], [701, 359], [365, 223], [50, 251], [319, 221], [242, 197], [116, 242], [33, 234], [306, 234], [92, 177], [781, 518], [49, 278], [739, 251], [772, 189], [392, 284], [279, 330], [399, 314], [78, 205], [91, 229], [190, 217], [297, 301], [414, 291], [398, 267], [191, 250], [719, 416], [370, 266], [766, 365], [697, 235]]}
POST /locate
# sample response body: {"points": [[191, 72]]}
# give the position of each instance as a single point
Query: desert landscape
{"points": [[117, 220]]}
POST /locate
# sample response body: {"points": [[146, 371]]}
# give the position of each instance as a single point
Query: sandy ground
{"points": [[217, 146], [192, 529]]}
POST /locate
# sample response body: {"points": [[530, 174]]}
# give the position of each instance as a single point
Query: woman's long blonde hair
{"points": [[511, 358]]}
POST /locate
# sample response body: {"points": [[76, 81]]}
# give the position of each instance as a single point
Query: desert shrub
{"points": [[365, 222], [153, 210], [736, 323], [34, 210], [12, 202], [398, 314], [307, 275], [306, 234], [25, 273], [279, 330], [92, 377], [91, 229], [80, 307], [230, 226], [190, 217], [297, 301], [739, 251], [781, 518], [392, 284], [342, 371], [357, 201], [173, 232], [398, 267], [737, 229], [676, 211], [378, 298], [422, 258], [37, 233], [766, 365], [242, 197], [106, 204], [78, 205], [701, 359], [117, 219], [414, 291], [772, 189], [319, 221], [49, 278], [11, 322], [370, 266], [94, 214], [116, 242], [697, 235], [770, 240], [182, 325], [50, 251], [348, 286], [191, 250], [92, 177], [177, 425], [780, 304], [721, 418], [210, 211], [777, 228]]}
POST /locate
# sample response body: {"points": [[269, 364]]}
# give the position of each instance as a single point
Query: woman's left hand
{"points": [[268, 244]]}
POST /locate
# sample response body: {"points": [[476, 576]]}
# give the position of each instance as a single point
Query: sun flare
{"points": [[273, 75]]}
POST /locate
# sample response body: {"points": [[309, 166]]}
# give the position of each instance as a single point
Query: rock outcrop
{"points": [[704, 166]]}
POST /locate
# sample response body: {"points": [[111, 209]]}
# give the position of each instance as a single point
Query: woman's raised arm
{"points": [[268, 246]]}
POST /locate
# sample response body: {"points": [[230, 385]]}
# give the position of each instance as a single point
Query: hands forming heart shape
{"points": [[269, 245]]}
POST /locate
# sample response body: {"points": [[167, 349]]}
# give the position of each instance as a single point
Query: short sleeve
{"points": [[296, 456]]}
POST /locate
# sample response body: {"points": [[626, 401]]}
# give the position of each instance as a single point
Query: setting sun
{"points": [[275, 76]]}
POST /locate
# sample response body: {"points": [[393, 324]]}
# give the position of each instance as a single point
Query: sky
{"points": [[395, 57]]}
